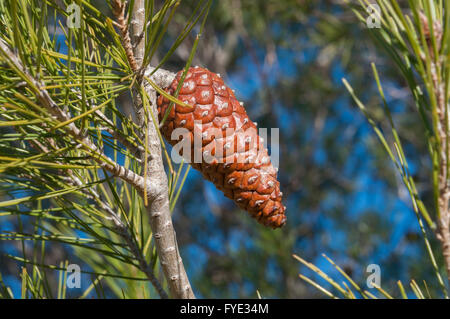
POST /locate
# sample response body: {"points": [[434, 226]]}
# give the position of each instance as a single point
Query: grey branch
{"points": [[157, 187]]}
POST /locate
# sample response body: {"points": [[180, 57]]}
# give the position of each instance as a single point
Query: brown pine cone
{"points": [[224, 144]]}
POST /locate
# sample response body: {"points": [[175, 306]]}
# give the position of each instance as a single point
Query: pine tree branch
{"points": [[84, 142], [157, 187], [114, 168], [160, 215]]}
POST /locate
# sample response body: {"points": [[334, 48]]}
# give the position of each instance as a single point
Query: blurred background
{"points": [[286, 60]]}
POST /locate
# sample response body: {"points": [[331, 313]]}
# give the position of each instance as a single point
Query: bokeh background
{"points": [[286, 60]]}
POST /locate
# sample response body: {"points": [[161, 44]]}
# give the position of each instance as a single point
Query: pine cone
{"points": [[224, 144]]}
